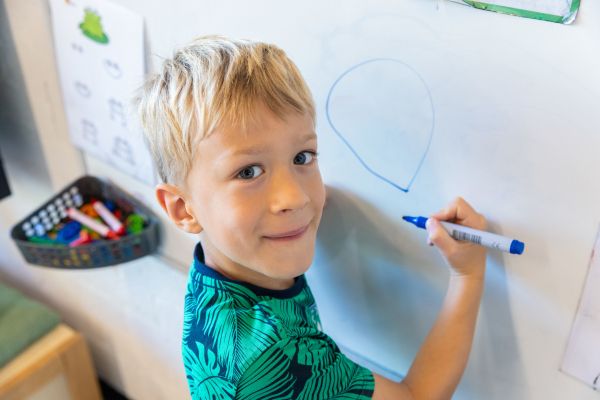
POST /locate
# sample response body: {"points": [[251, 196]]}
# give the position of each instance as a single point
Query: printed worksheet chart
{"points": [[100, 56], [582, 357]]}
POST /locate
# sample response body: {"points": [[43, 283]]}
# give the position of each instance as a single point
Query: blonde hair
{"points": [[211, 82]]}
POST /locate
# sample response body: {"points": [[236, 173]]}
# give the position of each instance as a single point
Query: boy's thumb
{"points": [[438, 235]]}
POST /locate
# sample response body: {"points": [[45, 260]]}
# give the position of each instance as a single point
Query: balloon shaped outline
{"points": [[341, 136]]}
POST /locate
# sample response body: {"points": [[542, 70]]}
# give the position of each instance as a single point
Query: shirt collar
{"points": [[203, 269]]}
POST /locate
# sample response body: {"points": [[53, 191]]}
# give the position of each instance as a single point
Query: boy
{"points": [[231, 127]]}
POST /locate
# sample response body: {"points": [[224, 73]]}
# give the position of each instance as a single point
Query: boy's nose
{"points": [[287, 193]]}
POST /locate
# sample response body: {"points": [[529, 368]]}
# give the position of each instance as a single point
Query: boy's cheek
{"points": [[325, 201]]}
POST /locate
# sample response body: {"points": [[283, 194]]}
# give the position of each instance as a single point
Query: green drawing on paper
{"points": [[92, 27], [560, 11]]}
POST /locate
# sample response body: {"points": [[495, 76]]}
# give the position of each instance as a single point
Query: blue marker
{"points": [[476, 236]]}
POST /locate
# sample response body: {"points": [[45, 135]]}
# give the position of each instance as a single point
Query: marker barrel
{"points": [[483, 238], [109, 218]]}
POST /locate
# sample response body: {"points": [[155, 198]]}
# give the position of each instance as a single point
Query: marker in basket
{"points": [[109, 218], [91, 223], [476, 236], [84, 238]]}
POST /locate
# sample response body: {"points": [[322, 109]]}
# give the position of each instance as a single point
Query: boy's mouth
{"points": [[289, 235]]}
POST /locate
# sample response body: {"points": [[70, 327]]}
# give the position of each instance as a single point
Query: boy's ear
{"points": [[171, 199]]}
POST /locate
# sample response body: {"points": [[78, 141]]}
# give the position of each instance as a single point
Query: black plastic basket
{"points": [[99, 253]]}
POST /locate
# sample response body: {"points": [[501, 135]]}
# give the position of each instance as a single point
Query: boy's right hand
{"points": [[464, 258], [441, 360]]}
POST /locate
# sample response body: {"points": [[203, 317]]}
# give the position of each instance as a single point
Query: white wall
{"points": [[131, 315]]}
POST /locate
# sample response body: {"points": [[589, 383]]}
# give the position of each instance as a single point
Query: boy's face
{"points": [[258, 197]]}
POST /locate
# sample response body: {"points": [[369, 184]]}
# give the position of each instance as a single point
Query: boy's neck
{"points": [[239, 273]]}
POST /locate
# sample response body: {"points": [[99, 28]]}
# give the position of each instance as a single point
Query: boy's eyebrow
{"points": [[308, 136], [261, 149]]}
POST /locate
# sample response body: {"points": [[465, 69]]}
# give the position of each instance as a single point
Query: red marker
{"points": [[84, 238]]}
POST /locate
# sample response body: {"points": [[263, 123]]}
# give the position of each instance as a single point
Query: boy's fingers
{"points": [[438, 235], [461, 212], [458, 209]]}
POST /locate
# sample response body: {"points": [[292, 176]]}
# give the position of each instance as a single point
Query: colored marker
{"points": [[109, 218], [476, 236], [68, 232], [91, 223], [43, 240], [135, 223], [84, 238]]}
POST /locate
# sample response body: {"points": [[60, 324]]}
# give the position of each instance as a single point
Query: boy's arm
{"points": [[442, 358]]}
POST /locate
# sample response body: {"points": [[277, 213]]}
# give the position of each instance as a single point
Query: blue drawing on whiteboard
{"points": [[383, 111]]}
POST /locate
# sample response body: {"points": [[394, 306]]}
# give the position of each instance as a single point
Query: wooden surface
{"points": [[61, 351]]}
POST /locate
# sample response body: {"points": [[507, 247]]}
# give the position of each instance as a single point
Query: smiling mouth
{"points": [[291, 235]]}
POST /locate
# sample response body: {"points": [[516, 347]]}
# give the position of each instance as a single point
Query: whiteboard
{"points": [[498, 109]]}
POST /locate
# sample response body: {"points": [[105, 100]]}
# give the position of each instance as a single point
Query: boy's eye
{"points": [[250, 172], [305, 157], [254, 171]]}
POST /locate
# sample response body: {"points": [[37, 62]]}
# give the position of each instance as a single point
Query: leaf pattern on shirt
{"points": [[204, 375], [238, 345]]}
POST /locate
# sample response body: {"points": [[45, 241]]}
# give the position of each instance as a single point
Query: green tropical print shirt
{"points": [[242, 341]]}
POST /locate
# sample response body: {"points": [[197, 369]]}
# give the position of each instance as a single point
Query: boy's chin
{"points": [[286, 270]]}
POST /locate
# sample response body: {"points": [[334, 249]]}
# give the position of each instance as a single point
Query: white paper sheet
{"points": [[560, 8], [100, 55], [582, 357]]}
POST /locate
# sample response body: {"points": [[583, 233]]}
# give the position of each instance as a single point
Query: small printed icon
{"points": [[90, 133], [113, 69], [116, 111], [77, 47], [122, 149], [83, 89], [92, 27]]}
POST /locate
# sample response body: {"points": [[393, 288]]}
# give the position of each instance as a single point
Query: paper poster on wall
{"points": [[100, 56], [561, 11], [582, 357]]}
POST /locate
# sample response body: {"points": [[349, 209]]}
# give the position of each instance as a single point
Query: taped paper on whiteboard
{"points": [[582, 357], [560, 11]]}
